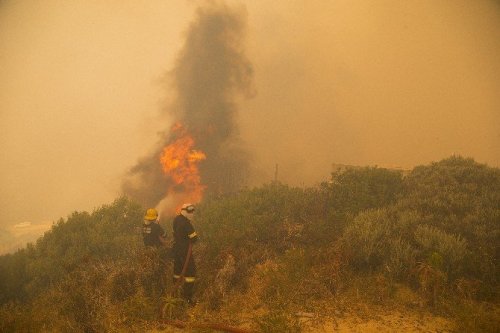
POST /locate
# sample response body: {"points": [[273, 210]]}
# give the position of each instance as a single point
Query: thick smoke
{"points": [[211, 72]]}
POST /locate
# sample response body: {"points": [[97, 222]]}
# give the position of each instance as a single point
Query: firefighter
{"points": [[184, 265], [152, 232], [154, 238]]}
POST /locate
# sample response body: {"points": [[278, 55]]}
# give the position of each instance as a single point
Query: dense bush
{"points": [[435, 230], [448, 216], [89, 273], [460, 198], [71, 244], [451, 249], [258, 224], [354, 190]]}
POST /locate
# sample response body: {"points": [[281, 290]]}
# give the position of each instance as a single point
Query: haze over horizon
{"points": [[387, 83]]}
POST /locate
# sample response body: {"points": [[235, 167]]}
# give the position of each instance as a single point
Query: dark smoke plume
{"points": [[210, 73]]}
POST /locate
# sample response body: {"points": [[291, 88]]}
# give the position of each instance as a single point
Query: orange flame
{"points": [[180, 161]]}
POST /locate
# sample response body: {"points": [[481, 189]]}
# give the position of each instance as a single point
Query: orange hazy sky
{"points": [[386, 82]]}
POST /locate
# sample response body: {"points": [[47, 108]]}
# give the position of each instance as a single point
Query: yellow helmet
{"points": [[151, 214]]}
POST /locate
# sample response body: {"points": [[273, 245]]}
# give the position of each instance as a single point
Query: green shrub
{"points": [[451, 248], [364, 231], [431, 281], [358, 189], [366, 239], [401, 257]]}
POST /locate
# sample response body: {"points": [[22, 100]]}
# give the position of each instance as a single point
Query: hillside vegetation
{"points": [[428, 240]]}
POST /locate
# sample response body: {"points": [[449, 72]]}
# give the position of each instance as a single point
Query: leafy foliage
{"points": [[357, 189], [436, 231], [77, 272], [461, 198], [451, 249]]}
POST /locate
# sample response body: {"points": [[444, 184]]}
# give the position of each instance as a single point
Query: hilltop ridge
{"points": [[368, 244]]}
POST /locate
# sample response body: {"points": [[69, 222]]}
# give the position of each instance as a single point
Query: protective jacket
{"points": [[151, 233], [184, 234]]}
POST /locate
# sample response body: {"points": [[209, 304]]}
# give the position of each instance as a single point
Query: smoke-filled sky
{"points": [[388, 83], [210, 73]]}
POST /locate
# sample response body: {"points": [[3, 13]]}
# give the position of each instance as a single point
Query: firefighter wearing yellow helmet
{"points": [[152, 233], [154, 237]]}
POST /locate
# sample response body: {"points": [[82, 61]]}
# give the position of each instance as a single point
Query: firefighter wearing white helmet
{"points": [[184, 238]]}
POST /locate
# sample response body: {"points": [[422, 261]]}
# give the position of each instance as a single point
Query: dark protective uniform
{"points": [[151, 234], [154, 253], [184, 234]]}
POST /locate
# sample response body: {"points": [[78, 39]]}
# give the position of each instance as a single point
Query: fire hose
{"points": [[180, 281], [181, 324], [184, 268], [214, 326]]}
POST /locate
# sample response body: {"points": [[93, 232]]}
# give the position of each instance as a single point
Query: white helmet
{"points": [[188, 207], [187, 210]]}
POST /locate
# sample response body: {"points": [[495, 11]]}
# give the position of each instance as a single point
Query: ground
{"points": [[388, 322], [378, 320]]}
